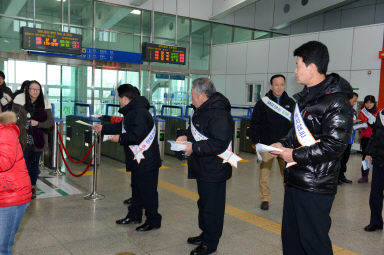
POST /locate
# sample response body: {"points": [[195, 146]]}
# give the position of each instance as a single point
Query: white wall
{"points": [[353, 52]]}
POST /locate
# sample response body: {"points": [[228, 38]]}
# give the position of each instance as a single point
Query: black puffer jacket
{"points": [[267, 126], [138, 122], [328, 116], [375, 147], [212, 119]]}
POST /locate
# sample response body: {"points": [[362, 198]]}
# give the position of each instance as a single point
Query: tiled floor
{"points": [[71, 225]]}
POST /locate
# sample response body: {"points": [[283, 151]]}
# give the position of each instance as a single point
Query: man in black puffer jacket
{"points": [[143, 160], [271, 121], [323, 122], [375, 151], [213, 120]]}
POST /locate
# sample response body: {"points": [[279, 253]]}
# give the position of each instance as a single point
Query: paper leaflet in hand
{"points": [[107, 137], [83, 123], [366, 164], [178, 146], [359, 126], [264, 148]]}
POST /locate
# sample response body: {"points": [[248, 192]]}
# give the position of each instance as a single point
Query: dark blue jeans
{"points": [[10, 218], [32, 159]]}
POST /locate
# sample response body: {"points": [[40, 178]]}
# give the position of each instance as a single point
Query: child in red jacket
{"points": [[367, 115]]}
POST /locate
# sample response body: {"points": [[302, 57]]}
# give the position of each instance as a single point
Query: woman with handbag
{"points": [[34, 118]]}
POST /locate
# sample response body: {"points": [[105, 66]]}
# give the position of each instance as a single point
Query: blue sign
{"points": [[99, 54], [172, 77]]}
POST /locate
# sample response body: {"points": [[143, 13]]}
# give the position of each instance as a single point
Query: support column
{"points": [[381, 87]]}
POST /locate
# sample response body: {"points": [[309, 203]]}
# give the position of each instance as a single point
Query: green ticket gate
{"points": [[244, 113], [79, 136], [175, 122]]}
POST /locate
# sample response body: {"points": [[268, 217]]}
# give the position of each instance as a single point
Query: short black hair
{"points": [[276, 76], [314, 52], [2, 75], [128, 90], [355, 94], [370, 98]]}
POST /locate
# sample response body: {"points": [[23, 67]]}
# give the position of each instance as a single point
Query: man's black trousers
{"points": [[376, 195], [211, 211], [145, 196], [306, 223]]}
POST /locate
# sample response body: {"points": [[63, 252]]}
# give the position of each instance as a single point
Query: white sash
{"points": [[277, 108], [138, 150], [228, 156], [382, 117], [370, 117], [303, 134]]}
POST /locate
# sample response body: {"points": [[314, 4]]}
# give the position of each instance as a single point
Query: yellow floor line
{"points": [[86, 173], [244, 160], [184, 164], [240, 214]]}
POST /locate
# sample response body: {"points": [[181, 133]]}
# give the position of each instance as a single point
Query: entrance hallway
{"points": [[68, 224]]}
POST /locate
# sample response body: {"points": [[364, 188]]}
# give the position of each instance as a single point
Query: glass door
{"points": [[169, 89]]}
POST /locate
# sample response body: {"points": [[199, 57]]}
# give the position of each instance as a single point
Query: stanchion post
{"points": [[55, 150], [93, 195]]}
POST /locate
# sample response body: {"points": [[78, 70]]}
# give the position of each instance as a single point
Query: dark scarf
{"points": [[39, 115]]}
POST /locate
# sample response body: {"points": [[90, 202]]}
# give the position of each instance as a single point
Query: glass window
{"points": [[48, 10], [81, 12], [146, 22], [17, 8], [276, 35], [200, 56], [109, 78], [117, 18], [221, 34], [165, 26], [242, 34], [128, 77], [9, 38], [53, 74], [201, 31], [29, 70], [261, 35], [117, 41], [183, 29]]}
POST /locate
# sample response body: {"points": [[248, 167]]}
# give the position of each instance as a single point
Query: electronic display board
{"points": [[36, 39], [163, 53]]}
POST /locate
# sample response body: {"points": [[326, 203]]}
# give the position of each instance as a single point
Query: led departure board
{"points": [[163, 53], [36, 39]]}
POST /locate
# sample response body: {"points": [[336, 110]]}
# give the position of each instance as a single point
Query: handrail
{"points": [[171, 106], [110, 105], [85, 105]]}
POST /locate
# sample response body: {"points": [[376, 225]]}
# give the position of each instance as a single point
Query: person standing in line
{"points": [[16, 190], [367, 115], [375, 154], [209, 136], [34, 118], [347, 152], [137, 133], [5, 94], [312, 150], [271, 121]]}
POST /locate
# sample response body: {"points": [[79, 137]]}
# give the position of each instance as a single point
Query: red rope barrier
{"points": [[69, 157], [69, 170]]}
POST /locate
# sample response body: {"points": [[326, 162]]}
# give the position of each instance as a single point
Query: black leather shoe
{"points": [[339, 182], [127, 220], [202, 249], [264, 205], [371, 228], [128, 201], [345, 180], [146, 227], [196, 240]]}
